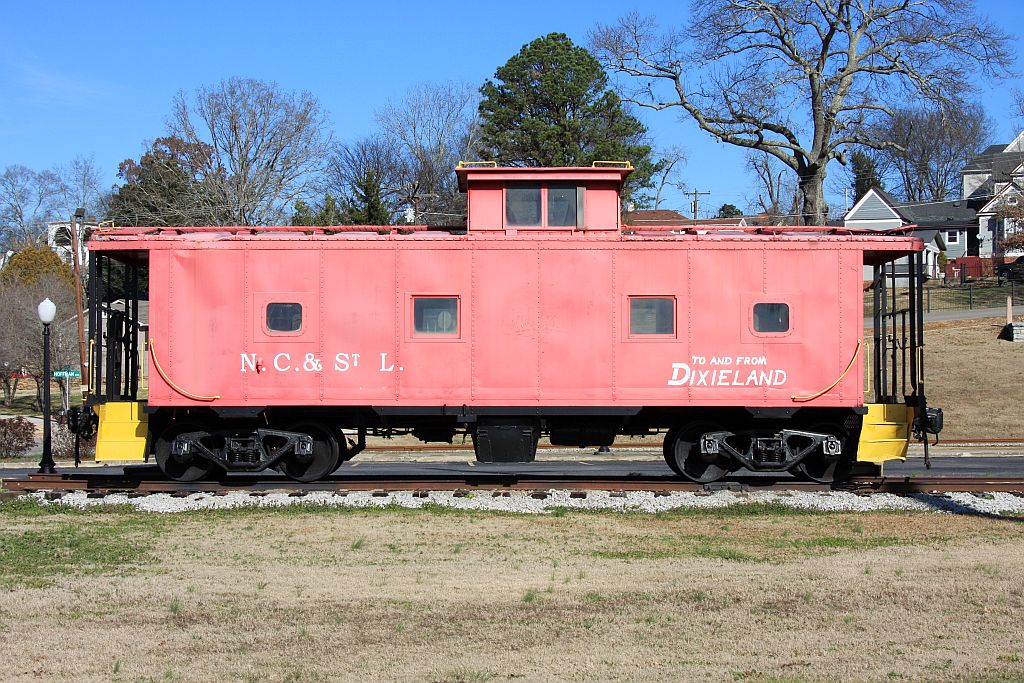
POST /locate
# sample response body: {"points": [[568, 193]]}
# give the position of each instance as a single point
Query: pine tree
{"points": [[549, 105], [865, 174]]}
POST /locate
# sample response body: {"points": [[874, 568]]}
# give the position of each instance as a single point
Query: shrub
{"points": [[17, 436], [64, 444]]}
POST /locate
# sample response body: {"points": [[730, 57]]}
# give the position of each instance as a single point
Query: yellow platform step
{"points": [[885, 432], [122, 431]]}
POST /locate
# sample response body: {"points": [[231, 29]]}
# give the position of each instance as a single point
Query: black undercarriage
{"points": [[703, 445]]}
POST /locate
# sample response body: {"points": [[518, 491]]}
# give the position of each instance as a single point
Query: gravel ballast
{"points": [[528, 503]]}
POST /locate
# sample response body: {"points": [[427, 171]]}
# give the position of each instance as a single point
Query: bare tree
{"points": [[432, 128], [378, 158], [21, 341], [801, 80], [778, 194], [669, 173], [28, 199], [927, 148], [81, 186], [268, 146]]}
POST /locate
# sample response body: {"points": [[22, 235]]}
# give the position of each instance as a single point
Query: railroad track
{"points": [[145, 480], [650, 445]]}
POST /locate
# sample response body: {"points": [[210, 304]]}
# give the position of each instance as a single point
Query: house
{"points": [[944, 226], [58, 236], [993, 221], [992, 182]]}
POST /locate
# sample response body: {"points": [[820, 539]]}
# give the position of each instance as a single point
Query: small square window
{"points": [[952, 237], [771, 317], [284, 317], [652, 315], [562, 205], [436, 315], [522, 205]]}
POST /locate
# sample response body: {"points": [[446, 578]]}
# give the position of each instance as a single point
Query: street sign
{"points": [[67, 373]]}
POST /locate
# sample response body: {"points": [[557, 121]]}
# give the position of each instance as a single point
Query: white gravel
{"points": [[524, 502]]}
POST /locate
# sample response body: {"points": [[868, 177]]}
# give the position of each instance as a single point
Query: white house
{"points": [[992, 181], [58, 235], [991, 217]]}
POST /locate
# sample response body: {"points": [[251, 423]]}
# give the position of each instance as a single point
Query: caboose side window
{"points": [[522, 205], [771, 317], [562, 205], [435, 315], [652, 315], [284, 317]]}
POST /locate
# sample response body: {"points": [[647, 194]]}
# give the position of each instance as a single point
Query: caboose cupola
{"points": [[550, 200]]}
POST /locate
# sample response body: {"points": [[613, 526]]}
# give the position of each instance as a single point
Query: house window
{"points": [[553, 205], [436, 315], [952, 237], [771, 317], [652, 315], [522, 206], [284, 317]]}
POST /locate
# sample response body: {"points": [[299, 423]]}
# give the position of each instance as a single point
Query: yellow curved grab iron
{"points": [[172, 385], [830, 387]]}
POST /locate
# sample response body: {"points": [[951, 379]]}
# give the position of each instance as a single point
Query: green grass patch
{"points": [[28, 557], [696, 548], [837, 543]]}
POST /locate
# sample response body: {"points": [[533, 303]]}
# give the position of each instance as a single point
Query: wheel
{"points": [[667, 449], [827, 469], [318, 464], [682, 453], [181, 468]]}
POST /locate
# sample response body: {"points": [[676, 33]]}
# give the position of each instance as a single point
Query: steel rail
{"points": [[150, 481]]}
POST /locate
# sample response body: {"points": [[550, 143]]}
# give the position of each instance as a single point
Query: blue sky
{"points": [[98, 78]]}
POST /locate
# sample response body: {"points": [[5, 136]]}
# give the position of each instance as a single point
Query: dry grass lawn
{"points": [[310, 594], [975, 378]]}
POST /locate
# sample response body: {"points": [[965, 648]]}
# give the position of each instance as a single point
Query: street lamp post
{"points": [[47, 311]]}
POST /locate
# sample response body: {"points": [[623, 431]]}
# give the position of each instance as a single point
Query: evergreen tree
{"points": [[549, 105], [34, 263], [865, 174], [729, 211], [166, 187], [367, 205], [329, 213]]}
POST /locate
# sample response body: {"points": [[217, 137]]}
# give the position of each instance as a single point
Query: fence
{"points": [[962, 298]]}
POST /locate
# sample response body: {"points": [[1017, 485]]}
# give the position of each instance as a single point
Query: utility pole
{"points": [[696, 199], [79, 308]]}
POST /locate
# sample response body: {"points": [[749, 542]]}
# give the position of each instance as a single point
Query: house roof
{"points": [[874, 197], [983, 161], [993, 204], [931, 235], [997, 161], [670, 217], [939, 214], [655, 217], [951, 214], [738, 221]]}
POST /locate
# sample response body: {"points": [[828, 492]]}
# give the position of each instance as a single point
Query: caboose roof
{"points": [[470, 174]]}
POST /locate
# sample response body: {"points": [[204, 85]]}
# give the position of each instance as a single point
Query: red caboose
{"points": [[542, 317]]}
